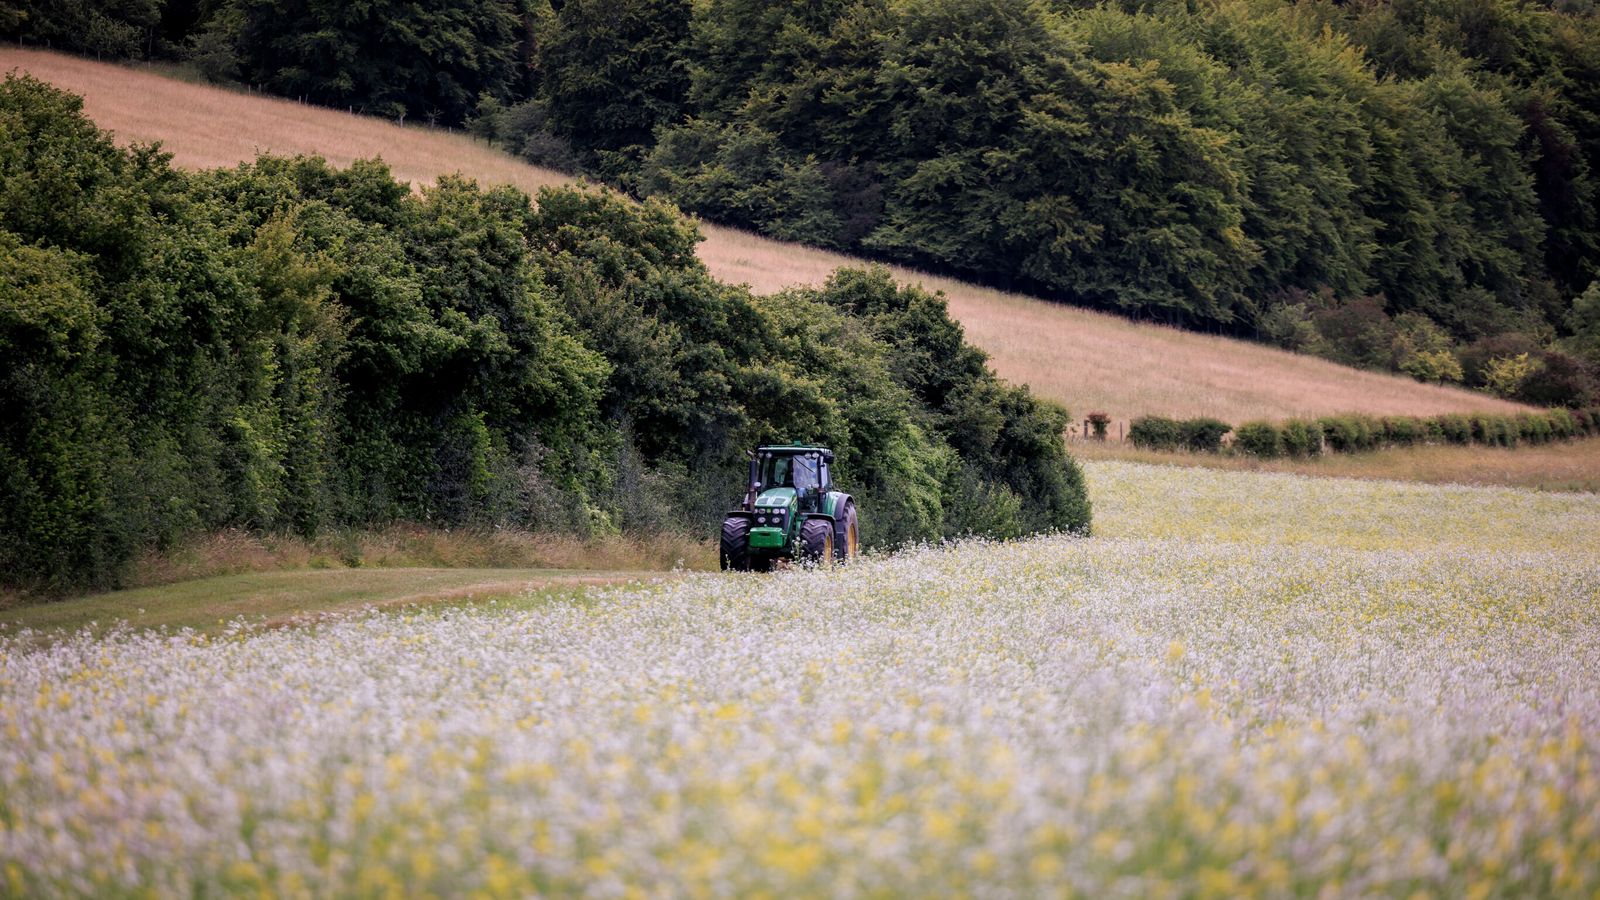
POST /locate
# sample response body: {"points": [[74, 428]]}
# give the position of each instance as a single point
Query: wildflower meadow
{"points": [[1243, 684]]}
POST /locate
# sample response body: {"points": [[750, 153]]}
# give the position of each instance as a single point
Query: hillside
{"points": [[1085, 360]]}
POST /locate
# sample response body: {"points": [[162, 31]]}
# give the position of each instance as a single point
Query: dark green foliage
{"points": [[388, 58], [1403, 431], [1301, 438], [1203, 435], [1379, 183], [1259, 439], [287, 346], [740, 176], [1348, 433], [1005, 443], [1494, 430], [1533, 428], [1457, 429], [118, 29], [1155, 433], [610, 72], [1354, 433]]}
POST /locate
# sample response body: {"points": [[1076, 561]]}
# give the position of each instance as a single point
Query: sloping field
{"points": [[1246, 685], [1085, 360]]}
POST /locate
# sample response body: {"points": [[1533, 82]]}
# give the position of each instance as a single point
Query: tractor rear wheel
{"points": [[846, 539], [736, 544], [816, 542]]}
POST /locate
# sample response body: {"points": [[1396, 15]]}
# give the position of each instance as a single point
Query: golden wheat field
{"points": [[1085, 360]]}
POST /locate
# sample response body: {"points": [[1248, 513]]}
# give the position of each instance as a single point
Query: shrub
{"points": [[1562, 424], [1301, 438], [1482, 429], [1533, 428], [1350, 433], [1338, 432], [1494, 430], [1587, 420], [1403, 431], [1261, 439], [1204, 435], [1155, 433], [1456, 429]]}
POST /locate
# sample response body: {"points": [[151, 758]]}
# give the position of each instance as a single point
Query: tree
{"points": [[389, 58], [119, 29], [611, 71]]}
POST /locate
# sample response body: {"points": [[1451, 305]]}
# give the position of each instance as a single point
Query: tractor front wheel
{"points": [[816, 542], [736, 544]]}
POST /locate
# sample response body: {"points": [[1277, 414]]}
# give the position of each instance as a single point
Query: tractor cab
{"points": [[790, 511], [798, 473]]}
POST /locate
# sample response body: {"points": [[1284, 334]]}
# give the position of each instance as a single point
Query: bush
{"points": [[1433, 430], [1155, 433], [1586, 421], [1260, 439], [1350, 433], [1457, 429], [1494, 430], [1404, 431], [1204, 435], [1563, 424], [1301, 438], [1533, 428]]}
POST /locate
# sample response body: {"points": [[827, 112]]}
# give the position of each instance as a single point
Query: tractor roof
{"points": [[793, 450]]}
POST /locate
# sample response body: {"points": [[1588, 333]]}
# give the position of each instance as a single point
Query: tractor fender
{"points": [[823, 516], [740, 514], [840, 501]]}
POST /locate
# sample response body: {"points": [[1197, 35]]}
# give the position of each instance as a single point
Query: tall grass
{"points": [[236, 552]]}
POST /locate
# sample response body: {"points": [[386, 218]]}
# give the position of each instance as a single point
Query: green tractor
{"points": [[790, 512]]}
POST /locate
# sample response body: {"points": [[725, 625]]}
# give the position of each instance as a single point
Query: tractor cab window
{"points": [[799, 472], [805, 473]]}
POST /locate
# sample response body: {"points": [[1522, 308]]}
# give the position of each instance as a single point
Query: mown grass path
{"points": [[273, 598]]}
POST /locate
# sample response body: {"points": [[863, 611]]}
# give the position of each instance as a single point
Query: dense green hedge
{"points": [[1354, 433], [1202, 435], [289, 346], [1357, 433]]}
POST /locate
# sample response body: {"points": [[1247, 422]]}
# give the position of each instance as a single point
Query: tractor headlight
{"points": [[761, 520]]}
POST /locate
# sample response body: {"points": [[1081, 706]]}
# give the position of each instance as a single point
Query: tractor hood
{"points": [[783, 496]]}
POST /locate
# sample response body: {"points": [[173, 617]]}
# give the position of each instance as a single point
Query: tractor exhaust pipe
{"points": [[755, 486]]}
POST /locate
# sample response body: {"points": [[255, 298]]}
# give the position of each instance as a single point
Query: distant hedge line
{"points": [[1351, 433]]}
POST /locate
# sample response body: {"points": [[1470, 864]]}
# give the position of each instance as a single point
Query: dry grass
{"points": [[1573, 466], [1088, 361], [409, 546]]}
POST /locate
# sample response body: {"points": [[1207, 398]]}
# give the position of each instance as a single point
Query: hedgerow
{"points": [[287, 346]]}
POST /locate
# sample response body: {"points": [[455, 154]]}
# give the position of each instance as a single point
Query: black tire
{"points": [[816, 542], [847, 537], [736, 544]]}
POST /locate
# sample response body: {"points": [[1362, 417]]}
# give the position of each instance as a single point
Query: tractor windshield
{"points": [[799, 472]]}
